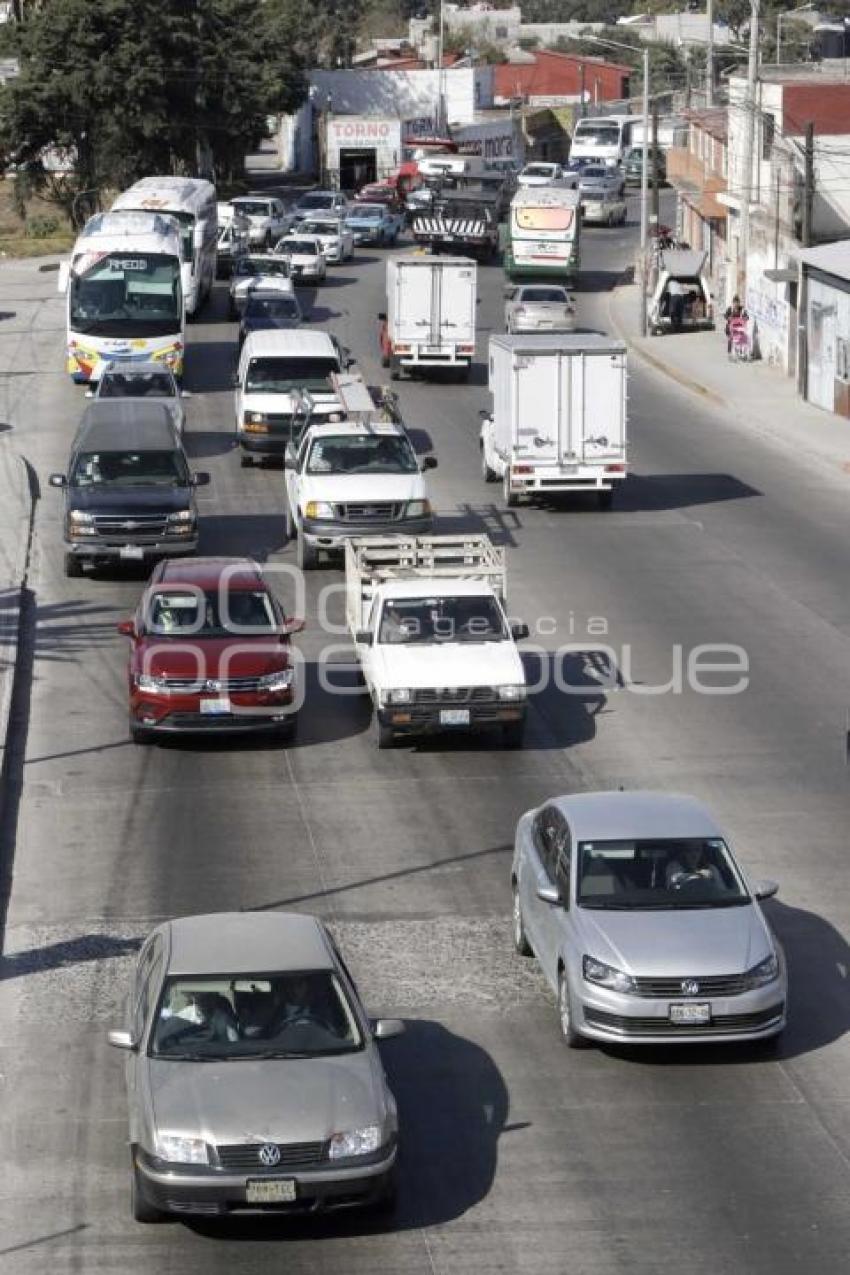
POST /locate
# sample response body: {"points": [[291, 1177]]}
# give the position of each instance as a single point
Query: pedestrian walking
{"points": [[736, 320]]}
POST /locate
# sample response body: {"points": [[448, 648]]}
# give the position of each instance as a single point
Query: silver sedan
{"points": [[642, 922], [540, 307], [253, 1075], [147, 380]]}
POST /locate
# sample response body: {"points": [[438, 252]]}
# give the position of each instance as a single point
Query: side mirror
{"points": [[122, 1039], [288, 460], [550, 894], [201, 479], [58, 480], [363, 637], [126, 628], [63, 276], [385, 1028], [234, 380], [382, 318], [294, 625], [430, 462], [765, 889], [519, 631]]}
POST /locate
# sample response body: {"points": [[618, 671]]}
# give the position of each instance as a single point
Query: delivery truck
{"points": [[436, 650], [558, 418], [429, 321]]}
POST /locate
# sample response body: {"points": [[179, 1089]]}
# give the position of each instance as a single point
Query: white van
{"points": [[276, 369]]}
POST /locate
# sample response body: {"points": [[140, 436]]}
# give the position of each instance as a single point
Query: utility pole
{"points": [[441, 84], [749, 148], [655, 192], [583, 107], [709, 54], [644, 266], [809, 185]]}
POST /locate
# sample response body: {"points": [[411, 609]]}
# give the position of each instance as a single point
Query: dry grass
{"points": [[16, 237]]}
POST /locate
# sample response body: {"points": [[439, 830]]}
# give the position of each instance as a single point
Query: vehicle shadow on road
{"points": [[254, 536], [76, 951], [210, 366], [453, 1107], [202, 443], [499, 524], [62, 630], [647, 492], [568, 690]]}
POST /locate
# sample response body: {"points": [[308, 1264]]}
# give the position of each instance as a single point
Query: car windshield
{"points": [[444, 619], [315, 201], [253, 207], [136, 385], [558, 295], [283, 375], [319, 228], [129, 469], [369, 454], [272, 312], [594, 172], [211, 613], [366, 212], [658, 875], [538, 170], [299, 247], [261, 266], [597, 134], [299, 1014]]}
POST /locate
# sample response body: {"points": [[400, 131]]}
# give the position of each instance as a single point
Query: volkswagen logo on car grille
{"points": [[269, 1155], [212, 685], [690, 986]]}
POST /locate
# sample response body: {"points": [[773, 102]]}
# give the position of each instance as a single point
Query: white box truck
{"points": [[429, 321], [558, 420], [436, 649]]}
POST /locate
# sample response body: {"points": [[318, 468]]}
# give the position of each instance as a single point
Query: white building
{"points": [[675, 28], [495, 26], [825, 344], [407, 95]]}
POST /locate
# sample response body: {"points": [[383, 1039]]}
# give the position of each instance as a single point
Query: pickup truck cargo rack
{"points": [[377, 560]]}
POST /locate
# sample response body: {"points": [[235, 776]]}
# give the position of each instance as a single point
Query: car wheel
{"points": [[513, 734], [290, 523], [511, 498], [139, 735], [384, 735], [605, 499], [521, 943], [139, 1207], [73, 567], [395, 368], [489, 475], [572, 1038], [246, 460], [306, 555]]}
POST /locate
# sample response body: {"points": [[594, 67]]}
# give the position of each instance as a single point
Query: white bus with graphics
{"points": [[124, 294], [191, 201], [544, 231]]}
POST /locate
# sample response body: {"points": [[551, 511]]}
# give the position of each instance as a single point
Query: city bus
{"points": [[124, 294], [544, 230], [605, 139], [191, 201]]}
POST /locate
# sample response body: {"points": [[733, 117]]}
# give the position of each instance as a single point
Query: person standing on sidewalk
{"points": [[735, 315]]}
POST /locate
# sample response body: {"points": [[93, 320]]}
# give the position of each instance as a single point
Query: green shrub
{"points": [[43, 227]]}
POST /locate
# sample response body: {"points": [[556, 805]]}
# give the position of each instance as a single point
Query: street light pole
{"points": [[709, 55], [441, 99], [749, 148]]}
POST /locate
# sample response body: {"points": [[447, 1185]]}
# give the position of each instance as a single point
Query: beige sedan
{"points": [[538, 307]]}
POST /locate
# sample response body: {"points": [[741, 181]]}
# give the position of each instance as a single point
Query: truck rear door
{"points": [[594, 426], [453, 315], [537, 408], [415, 302]]}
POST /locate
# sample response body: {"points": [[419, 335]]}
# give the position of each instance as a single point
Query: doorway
{"points": [[356, 168]]}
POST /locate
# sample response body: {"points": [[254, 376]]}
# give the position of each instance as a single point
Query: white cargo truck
{"points": [[435, 647], [429, 321], [558, 420]]}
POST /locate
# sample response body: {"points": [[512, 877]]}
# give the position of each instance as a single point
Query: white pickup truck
{"points": [[436, 649], [357, 476]]}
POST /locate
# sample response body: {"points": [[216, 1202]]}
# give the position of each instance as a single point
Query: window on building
{"points": [[768, 132], [842, 358], [501, 33]]}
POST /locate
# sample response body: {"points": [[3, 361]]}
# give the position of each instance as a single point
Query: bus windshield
{"points": [[597, 134], [117, 294]]}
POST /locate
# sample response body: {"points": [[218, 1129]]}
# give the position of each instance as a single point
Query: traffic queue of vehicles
{"points": [[644, 925]]}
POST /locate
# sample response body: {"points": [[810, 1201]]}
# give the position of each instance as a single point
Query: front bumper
{"points": [[97, 550], [264, 444], [181, 715], [306, 273], [367, 236], [333, 535], [605, 1015], [425, 719], [213, 1192]]}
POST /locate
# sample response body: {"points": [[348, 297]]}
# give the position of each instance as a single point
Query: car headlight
{"points": [[177, 1149], [279, 681], [418, 509], [606, 976], [763, 973], [356, 1142], [400, 695], [78, 518], [318, 509], [182, 515], [255, 418], [151, 685], [511, 692]]}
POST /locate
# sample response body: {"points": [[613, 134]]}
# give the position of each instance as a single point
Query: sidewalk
{"points": [[755, 394]]}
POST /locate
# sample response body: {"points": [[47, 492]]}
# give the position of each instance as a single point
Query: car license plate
{"points": [[691, 1013], [215, 707], [432, 349], [269, 1190], [454, 716], [570, 469], [131, 552]]}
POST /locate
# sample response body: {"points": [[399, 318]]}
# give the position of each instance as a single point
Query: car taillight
{"points": [[523, 469], [615, 469], [466, 349]]}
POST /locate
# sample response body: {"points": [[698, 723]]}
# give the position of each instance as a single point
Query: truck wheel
{"points": [[384, 737], [489, 475], [511, 498], [395, 368], [306, 555], [73, 567], [513, 734], [605, 499]]}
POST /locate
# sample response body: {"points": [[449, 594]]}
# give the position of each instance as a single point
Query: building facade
{"points": [[547, 78], [697, 170]]}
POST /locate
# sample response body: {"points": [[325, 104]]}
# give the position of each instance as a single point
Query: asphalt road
{"points": [[518, 1155]]}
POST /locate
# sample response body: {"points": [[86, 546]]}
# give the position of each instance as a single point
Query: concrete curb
{"points": [[18, 495], [659, 365]]}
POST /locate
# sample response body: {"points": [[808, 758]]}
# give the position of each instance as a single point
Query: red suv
{"points": [[210, 652]]}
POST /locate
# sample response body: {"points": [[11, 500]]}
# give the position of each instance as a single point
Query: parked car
{"points": [[633, 166], [149, 381], [373, 223], [265, 309], [210, 653], [304, 254], [254, 1080], [544, 174], [129, 493], [540, 307], [317, 202], [335, 238], [267, 271], [267, 219], [643, 923]]}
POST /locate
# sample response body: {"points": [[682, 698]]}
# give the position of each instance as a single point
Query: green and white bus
{"points": [[544, 230]]}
